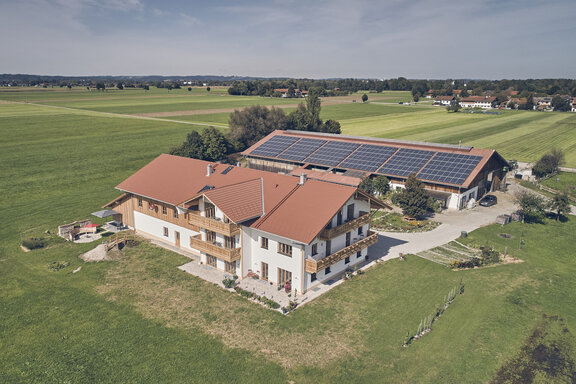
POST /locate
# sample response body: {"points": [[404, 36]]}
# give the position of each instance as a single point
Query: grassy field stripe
{"points": [[111, 114]]}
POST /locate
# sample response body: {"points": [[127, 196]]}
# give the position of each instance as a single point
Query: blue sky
{"points": [[293, 38]]}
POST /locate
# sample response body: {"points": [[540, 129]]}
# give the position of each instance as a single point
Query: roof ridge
{"points": [[277, 206]]}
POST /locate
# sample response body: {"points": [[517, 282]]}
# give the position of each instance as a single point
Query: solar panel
{"points": [[301, 150], [332, 153], [274, 146], [405, 162], [451, 168], [368, 157]]}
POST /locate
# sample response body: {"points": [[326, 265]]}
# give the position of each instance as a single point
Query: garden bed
{"points": [[395, 222]]}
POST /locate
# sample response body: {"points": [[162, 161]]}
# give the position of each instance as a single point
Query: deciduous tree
{"points": [[531, 205], [251, 124], [560, 204]]}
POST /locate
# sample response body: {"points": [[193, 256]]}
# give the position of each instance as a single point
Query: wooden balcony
{"points": [[313, 266], [218, 226], [327, 234], [226, 254]]}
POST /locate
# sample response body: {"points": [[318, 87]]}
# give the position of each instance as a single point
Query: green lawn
{"points": [[142, 320], [563, 181]]}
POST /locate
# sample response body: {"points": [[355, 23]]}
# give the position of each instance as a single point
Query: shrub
{"points": [[34, 243], [58, 265], [228, 283]]}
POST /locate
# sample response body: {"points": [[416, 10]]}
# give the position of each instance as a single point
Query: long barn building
{"points": [[453, 174]]}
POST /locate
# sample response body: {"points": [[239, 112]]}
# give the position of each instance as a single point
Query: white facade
{"points": [[154, 227]]}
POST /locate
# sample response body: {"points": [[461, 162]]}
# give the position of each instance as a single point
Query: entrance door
{"points": [[177, 239], [264, 269]]}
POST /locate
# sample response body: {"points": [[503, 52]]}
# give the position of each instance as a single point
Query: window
{"points": [[360, 230], [358, 254], [210, 236], [264, 242], [285, 249], [347, 260], [176, 213], [327, 270], [339, 218], [313, 277], [230, 267], [210, 210], [314, 249], [350, 212], [348, 236], [211, 260], [139, 202], [328, 247], [164, 210], [284, 276], [165, 231], [229, 242]]}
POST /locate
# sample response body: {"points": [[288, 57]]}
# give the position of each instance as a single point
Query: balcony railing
{"points": [[228, 229], [313, 266], [226, 254], [331, 233]]}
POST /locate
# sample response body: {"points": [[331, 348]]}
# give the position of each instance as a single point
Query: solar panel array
{"points": [[301, 150], [405, 162], [441, 167], [451, 168], [274, 146], [368, 157], [332, 153]]}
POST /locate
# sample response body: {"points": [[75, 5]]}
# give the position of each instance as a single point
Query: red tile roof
{"points": [[294, 211]]}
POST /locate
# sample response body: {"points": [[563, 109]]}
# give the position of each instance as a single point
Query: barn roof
{"points": [[444, 164]]}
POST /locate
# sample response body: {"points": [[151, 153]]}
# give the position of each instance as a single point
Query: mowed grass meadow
{"points": [[140, 319]]}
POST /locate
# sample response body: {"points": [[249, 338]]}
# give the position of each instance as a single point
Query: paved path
{"points": [[391, 244]]}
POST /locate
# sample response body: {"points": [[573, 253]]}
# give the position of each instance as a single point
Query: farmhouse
{"points": [[249, 222], [284, 92], [453, 174], [574, 105], [483, 102], [444, 100]]}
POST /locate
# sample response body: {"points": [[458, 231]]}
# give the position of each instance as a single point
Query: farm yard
{"points": [[140, 319]]}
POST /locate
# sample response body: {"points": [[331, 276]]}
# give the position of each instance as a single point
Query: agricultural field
{"points": [[139, 319], [521, 135]]}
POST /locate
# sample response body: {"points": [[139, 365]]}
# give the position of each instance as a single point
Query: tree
{"points": [[100, 86], [454, 106], [548, 163], [364, 98], [192, 147], [120, 86], [207, 89], [189, 89], [416, 97], [146, 87], [215, 144], [367, 185], [529, 103], [313, 106], [253, 123], [560, 204], [331, 126], [381, 184], [561, 104], [531, 205], [413, 199]]}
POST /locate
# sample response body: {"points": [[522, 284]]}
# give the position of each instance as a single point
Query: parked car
{"points": [[488, 201]]}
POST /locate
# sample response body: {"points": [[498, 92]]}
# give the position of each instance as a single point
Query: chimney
{"points": [[302, 179], [208, 169]]}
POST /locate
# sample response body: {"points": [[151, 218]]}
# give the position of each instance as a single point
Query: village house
{"points": [[248, 222], [484, 102], [444, 100]]}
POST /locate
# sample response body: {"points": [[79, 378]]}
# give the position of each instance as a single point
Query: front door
{"points": [[264, 273], [284, 276], [177, 239]]}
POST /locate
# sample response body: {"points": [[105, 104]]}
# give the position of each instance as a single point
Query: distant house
{"points": [[284, 92], [543, 103], [574, 105], [483, 102], [517, 101], [444, 100]]}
